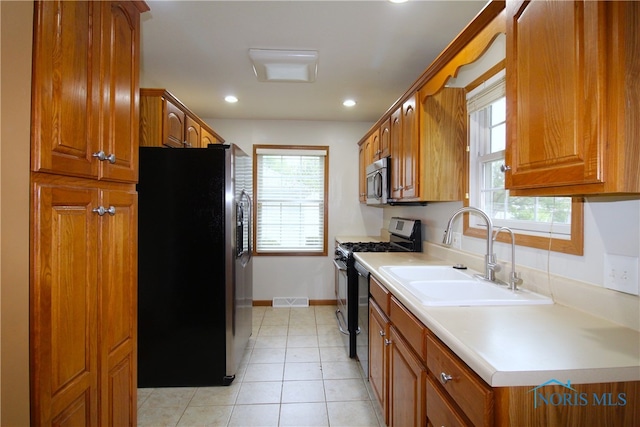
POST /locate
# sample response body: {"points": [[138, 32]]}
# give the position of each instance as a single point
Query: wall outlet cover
{"points": [[621, 273]]}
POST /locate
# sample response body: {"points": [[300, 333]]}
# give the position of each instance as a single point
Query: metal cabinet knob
{"points": [[387, 342], [445, 378], [100, 210], [504, 168], [100, 155], [382, 333]]}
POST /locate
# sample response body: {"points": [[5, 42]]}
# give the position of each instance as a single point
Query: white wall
{"points": [[611, 225], [311, 277]]}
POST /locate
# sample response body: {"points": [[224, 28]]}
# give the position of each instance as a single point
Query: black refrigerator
{"points": [[194, 265]]}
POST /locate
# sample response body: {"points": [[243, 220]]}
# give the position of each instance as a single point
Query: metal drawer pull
{"points": [[445, 378], [100, 155], [101, 210]]}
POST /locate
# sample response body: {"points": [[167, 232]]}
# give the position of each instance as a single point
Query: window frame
{"points": [[574, 245], [284, 148]]}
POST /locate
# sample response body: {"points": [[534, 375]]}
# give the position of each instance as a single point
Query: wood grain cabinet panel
{"points": [[66, 108], [572, 103], [64, 310], [443, 133], [120, 91], [378, 356], [83, 284], [166, 122], [407, 382], [207, 138]]}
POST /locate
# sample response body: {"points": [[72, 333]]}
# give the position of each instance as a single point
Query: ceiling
{"points": [[371, 51]]}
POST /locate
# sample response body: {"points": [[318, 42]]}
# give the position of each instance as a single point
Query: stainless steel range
{"points": [[352, 282]]}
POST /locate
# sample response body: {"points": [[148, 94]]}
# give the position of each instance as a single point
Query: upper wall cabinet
{"points": [[428, 125], [87, 115], [165, 121], [573, 97]]}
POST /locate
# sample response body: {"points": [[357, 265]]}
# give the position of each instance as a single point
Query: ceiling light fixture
{"points": [[231, 99], [349, 103], [398, 1], [272, 65]]}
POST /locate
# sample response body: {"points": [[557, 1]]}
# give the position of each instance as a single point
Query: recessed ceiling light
{"points": [[231, 99], [349, 103], [398, 1]]}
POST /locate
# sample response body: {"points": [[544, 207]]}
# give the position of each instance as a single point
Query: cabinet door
{"points": [[410, 149], [207, 138], [375, 146], [192, 133], [120, 91], [63, 319], [385, 139], [555, 95], [174, 125], [444, 138], [362, 175], [407, 382], [66, 107], [397, 166], [118, 308], [378, 369]]}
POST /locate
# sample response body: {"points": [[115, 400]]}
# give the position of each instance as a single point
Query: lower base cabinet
{"points": [[419, 381], [407, 380]]}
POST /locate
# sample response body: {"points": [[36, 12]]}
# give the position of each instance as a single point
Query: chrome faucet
{"points": [[514, 278], [490, 265]]}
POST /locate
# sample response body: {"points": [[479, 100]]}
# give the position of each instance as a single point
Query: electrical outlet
{"points": [[621, 273], [456, 240]]}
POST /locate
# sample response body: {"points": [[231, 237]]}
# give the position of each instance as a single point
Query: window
{"points": [[535, 219], [290, 199]]}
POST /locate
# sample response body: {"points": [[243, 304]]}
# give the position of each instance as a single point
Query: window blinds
{"points": [[290, 199]]}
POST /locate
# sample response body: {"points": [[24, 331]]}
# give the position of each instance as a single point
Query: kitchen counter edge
{"points": [[525, 325]]}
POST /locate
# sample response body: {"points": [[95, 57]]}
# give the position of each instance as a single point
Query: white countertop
{"points": [[521, 345]]}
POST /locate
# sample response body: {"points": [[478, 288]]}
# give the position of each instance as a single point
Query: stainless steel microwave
{"points": [[378, 182]]}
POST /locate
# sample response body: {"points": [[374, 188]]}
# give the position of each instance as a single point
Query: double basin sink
{"points": [[448, 286]]}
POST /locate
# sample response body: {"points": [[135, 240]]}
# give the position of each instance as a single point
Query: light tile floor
{"points": [[295, 372]]}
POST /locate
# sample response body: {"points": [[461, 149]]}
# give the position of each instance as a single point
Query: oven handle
{"points": [[339, 316], [340, 265]]}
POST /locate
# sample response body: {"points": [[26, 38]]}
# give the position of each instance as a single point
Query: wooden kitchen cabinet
{"points": [[83, 306], [405, 152], [362, 173], [166, 121], [397, 373], [573, 101], [407, 382], [443, 134], [466, 394], [378, 356], [74, 108]]}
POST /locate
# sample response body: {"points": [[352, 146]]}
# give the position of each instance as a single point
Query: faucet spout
{"points": [[490, 258], [514, 278]]}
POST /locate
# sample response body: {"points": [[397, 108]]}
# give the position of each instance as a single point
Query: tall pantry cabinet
{"points": [[84, 148]]}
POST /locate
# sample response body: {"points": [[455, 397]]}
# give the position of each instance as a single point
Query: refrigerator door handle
{"points": [[245, 252]]}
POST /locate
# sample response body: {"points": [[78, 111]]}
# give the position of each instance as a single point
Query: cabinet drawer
{"points": [[380, 294], [472, 395], [410, 327], [440, 411]]}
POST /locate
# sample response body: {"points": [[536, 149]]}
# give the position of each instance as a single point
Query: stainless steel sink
{"points": [[446, 286]]}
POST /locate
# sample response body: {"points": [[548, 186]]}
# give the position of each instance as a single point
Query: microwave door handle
{"points": [[378, 185]]}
